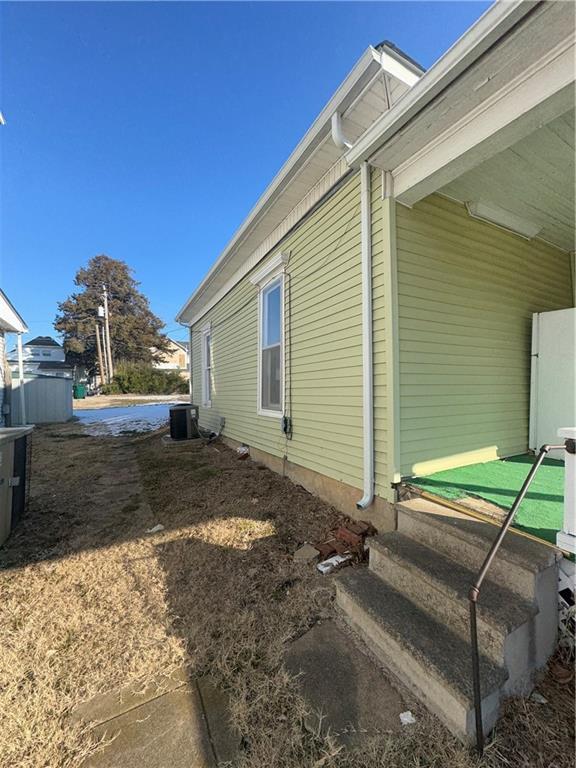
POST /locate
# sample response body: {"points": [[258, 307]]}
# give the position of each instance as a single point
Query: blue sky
{"points": [[147, 131]]}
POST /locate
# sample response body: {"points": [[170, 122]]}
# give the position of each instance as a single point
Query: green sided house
{"points": [[370, 325]]}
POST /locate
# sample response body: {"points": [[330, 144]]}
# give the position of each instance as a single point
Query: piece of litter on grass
{"points": [[156, 529], [407, 718], [327, 566], [538, 698]]}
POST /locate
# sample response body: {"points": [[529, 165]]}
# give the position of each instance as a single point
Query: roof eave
{"points": [[490, 27], [10, 320], [365, 67]]}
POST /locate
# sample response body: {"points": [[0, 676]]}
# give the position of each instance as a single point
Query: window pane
{"points": [[208, 351], [271, 379], [272, 316]]}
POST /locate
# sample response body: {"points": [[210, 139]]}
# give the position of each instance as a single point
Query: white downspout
{"points": [[21, 379], [337, 134], [367, 361], [190, 386]]}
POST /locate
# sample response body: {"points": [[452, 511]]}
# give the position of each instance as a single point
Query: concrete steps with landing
{"points": [[466, 540], [411, 608], [440, 586], [421, 651]]}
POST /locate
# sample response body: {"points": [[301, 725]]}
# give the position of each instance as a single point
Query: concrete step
{"points": [[439, 586], [518, 563], [428, 657]]}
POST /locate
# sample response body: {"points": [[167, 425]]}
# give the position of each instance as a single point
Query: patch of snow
{"points": [[102, 422]]}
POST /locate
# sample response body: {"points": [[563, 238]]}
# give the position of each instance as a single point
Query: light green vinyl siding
{"points": [[466, 294], [323, 339], [381, 340]]}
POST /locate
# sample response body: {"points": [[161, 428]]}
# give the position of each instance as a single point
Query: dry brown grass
{"points": [[82, 601], [88, 601]]}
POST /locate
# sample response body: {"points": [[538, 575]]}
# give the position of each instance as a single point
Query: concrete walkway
{"points": [[348, 695], [173, 722]]}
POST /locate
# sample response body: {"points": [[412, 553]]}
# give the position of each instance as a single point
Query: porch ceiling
{"points": [[533, 179]]}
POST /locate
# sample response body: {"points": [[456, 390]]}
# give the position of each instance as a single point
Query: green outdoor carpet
{"points": [[541, 512]]}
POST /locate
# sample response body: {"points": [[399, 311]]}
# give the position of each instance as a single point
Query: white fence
{"points": [[48, 399]]}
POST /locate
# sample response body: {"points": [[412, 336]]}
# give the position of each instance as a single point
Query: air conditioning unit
{"points": [[184, 422]]}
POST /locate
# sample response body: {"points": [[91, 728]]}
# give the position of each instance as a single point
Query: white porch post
{"points": [[21, 379], [566, 538]]}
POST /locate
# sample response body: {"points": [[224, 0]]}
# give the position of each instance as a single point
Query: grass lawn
{"points": [[89, 602], [541, 512]]}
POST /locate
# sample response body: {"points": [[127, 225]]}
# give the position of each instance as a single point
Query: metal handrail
{"points": [[474, 592]]}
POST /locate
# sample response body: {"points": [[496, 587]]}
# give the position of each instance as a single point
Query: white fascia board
{"points": [[543, 92], [489, 28], [10, 320], [368, 64], [397, 69]]}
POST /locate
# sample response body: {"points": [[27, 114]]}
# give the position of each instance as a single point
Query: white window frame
{"points": [[273, 272], [207, 377]]}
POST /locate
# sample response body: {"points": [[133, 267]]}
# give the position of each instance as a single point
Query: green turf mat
{"points": [[541, 512]]}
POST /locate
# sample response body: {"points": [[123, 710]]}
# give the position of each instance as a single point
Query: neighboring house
{"points": [[47, 381], [176, 358], [44, 355], [371, 321]]}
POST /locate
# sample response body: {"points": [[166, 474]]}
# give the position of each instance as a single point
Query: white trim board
{"points": [[275, 275], [10, 320], [207, 371], [541, 93]]}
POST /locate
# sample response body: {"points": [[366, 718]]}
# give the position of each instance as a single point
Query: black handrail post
{"points": [[474, 592], [473, 596]]}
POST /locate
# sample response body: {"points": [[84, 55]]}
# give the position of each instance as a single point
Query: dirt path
{"points": [[89, 601]]}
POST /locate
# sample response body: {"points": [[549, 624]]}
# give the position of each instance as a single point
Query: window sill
{"points": [[270, 414]]}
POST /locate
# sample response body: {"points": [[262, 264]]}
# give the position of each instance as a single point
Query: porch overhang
{"points": [[514, 96]]}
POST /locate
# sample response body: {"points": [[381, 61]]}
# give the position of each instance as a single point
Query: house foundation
{"points": [[382, 513]]}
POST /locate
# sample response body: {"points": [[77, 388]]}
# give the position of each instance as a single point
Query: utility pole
{"points": [[100, 360], [107, 337]]}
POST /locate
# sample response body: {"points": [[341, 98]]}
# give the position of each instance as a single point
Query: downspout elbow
{"points": [[365, 501], [337, 134]]}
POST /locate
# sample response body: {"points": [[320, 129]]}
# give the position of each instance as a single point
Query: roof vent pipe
{"points": [[337, 136], [367, 359]]}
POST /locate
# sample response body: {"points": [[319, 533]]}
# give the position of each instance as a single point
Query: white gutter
{"points": [[367, 361], [490, 27], [21, 380]]}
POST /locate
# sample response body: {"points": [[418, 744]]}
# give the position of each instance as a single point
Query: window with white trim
{"points": [[207, 366], [271, 352]]}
